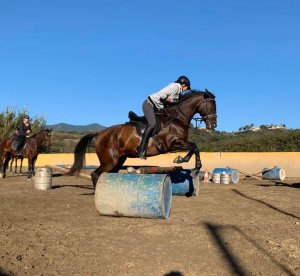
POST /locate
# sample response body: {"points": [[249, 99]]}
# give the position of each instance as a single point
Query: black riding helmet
{"points": [[184, 80]]}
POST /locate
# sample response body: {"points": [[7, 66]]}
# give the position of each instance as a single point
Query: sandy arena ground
{"points": [[249, 228]]}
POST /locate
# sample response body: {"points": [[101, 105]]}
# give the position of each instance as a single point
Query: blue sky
{"points": [[83, 62]]}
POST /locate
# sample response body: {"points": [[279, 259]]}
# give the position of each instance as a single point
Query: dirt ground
{"points": [[249, 228]]}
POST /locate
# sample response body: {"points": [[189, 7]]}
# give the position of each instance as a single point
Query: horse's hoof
{"points": [[2, 176], [178, 160], [195, 173]]}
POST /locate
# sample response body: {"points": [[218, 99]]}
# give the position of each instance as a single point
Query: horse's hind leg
{"points": [[96, 173], [112, 166], [5, 165]]}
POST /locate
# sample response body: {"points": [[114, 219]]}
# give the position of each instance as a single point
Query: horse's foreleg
{"points": [[193, 149], [33, 166], [29, 173]]}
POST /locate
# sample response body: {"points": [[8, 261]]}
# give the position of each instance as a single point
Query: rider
{"points": [[156, 101], [24, 131]]}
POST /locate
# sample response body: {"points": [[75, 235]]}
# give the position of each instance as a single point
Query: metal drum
{"points": [[134, 195], [225, 178], [274, 173], [184, 184], [43, 179], [216, 178], [234, 174]]}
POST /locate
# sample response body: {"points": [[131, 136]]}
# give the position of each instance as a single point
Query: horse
{"points": [[15, 160], [114, 144], [34, 145]]}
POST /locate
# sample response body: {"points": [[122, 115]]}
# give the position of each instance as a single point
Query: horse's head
{"points": [[208, 110], [46, 139]]}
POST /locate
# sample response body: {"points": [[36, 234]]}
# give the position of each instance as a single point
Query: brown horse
{"points": [[34, 145], [114, 144]]}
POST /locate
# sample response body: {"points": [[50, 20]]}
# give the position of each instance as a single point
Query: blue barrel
{"points": [[134, 195], [273, 174], [235, 176], [184, 184]]}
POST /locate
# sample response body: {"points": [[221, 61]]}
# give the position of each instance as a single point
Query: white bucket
{"points": [[225, 178], [43, 179], [216, 178]]}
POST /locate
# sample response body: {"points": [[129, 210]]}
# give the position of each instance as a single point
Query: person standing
{"points": [[157, 101]]}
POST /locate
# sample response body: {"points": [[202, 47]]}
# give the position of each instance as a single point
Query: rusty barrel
{"points": [[183, 183], [134, 195], [43, 179]]}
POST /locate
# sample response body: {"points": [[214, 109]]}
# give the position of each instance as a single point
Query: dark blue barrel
{"points": [[134, 195], [184, 184], [275, 173]]}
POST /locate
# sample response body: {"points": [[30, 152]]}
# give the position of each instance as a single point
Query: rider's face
{"points": [[184, 87]]}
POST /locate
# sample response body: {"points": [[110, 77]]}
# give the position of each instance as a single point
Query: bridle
{"points": [[204, 118]]}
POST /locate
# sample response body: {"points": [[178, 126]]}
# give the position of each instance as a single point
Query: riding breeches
{"points": [[149, 113]]}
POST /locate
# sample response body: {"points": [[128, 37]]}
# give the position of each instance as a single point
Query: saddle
{"points": [[140, 123], [19, 145]]}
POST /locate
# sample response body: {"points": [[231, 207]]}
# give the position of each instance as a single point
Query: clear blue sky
{"points": [[91, 61]]}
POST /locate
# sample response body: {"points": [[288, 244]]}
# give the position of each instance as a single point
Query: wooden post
{"points": [[63, 170]]}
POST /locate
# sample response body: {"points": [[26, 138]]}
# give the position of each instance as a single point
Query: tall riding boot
{"points": [[142, 148]]}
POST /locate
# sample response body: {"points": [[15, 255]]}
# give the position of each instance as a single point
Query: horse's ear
{"points": [[208, 94]]}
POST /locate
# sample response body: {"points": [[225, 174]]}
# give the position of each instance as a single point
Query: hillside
{"points": [[259, 141], [62, 127], [264, 140]]}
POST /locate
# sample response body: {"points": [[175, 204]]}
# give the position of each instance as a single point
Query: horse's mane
{"points": [[42, 130], [190, 94]]}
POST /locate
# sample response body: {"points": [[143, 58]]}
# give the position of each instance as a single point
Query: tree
{"points": [[10, 119]]}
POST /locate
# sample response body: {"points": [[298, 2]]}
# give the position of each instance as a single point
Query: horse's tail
{"points": [[79, 152]]}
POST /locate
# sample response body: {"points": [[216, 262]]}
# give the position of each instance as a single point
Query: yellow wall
{"points": [[250, 162]]}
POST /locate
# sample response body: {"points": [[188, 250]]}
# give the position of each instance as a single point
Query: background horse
{"points": [[114, 144], [34, 145]]}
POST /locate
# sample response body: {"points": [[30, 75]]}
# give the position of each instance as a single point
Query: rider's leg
{"points": [[149, 113]]}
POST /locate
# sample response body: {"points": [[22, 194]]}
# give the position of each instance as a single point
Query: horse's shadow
{"points": [[177, 178], [279, 183]]}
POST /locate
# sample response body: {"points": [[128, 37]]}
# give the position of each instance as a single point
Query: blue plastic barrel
{"points": [[274, 173], [184, 184], [235, 176], [134, 195]]}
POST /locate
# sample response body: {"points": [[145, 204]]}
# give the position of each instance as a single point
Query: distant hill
{"points": [[62, 127]]}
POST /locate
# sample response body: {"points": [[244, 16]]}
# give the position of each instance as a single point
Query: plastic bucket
{"points": [[43, 179], [134, 195], [184, 184], [234, 174], [274, 173]]}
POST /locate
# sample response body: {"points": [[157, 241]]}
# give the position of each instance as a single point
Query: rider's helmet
{"points": [[26, 117], [184, 80]]}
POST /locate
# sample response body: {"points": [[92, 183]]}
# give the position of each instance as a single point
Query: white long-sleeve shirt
{"points": [[171, 91]]}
